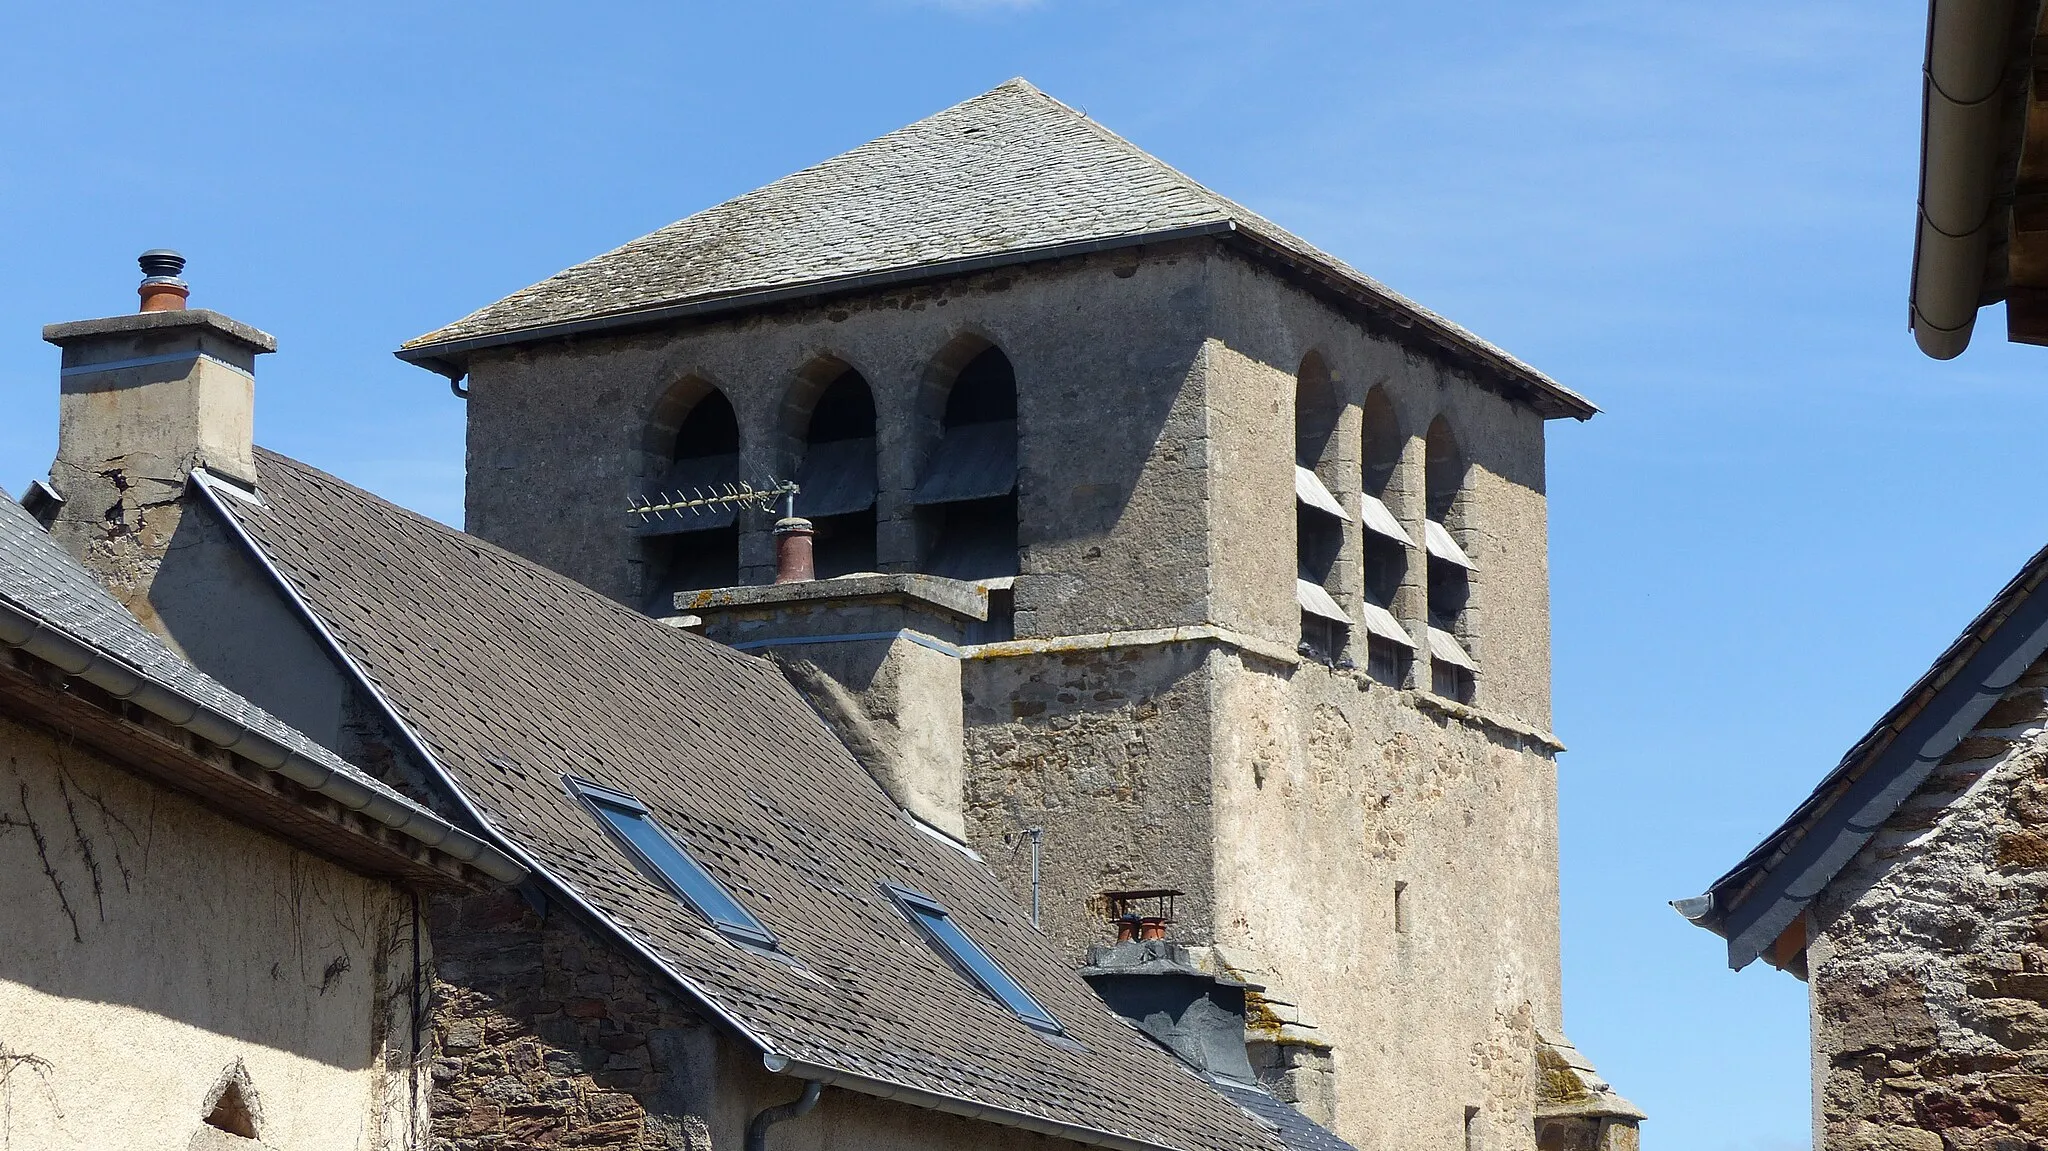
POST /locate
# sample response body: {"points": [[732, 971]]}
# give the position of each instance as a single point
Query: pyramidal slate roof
{"points": [[47, 595], [1008, 176], [512, 678]]}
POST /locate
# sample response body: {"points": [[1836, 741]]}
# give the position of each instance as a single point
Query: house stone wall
{"points": [[1928, 959], [154, 950], [1107, 750], [546, 1035]]}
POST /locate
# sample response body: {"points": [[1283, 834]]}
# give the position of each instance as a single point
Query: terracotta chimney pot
{"points": [[794, 559]]}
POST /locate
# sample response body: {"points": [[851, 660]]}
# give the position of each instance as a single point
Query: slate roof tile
{"points": [[514, 676], [1010, 171], [40, 579]]}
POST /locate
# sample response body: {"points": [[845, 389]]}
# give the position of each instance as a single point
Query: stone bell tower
{"points": [[1159, 551]]}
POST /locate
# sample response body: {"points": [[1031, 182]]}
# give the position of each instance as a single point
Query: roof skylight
{"points": [[659, 853], [966, 955]]}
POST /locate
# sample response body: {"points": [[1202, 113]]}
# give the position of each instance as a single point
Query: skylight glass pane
{"points": [[661, 853], [939, 926]]}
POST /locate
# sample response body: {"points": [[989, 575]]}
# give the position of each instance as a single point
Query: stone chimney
{"points": [[146, 399]]}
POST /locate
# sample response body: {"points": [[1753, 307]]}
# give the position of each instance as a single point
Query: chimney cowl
{"points": [[162, 290]]}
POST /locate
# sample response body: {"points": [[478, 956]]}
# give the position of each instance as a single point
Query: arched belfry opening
{"points": [[683, 551], [1385, 544], [1319, 515], [967, 494], [1451, 669], [836, 474]]}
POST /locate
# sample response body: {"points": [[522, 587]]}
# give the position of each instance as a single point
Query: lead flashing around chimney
{"points": [[255, 340]]}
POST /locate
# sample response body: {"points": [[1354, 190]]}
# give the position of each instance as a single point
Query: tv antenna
{"points": [[704, 500]]}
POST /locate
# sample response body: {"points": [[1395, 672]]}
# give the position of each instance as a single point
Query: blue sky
{"points": [[1699, 215]]}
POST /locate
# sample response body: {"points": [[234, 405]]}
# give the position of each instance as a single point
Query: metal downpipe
{"points": [[757, 1129]]}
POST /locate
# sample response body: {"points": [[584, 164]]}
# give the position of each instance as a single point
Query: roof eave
{"points": [[451, 357], [1551, 399], [959, 1105], [1754, 903], [23, 630]]}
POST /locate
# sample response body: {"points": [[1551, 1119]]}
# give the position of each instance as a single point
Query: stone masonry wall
{"points": [[544, 1037], [1390, 870], [1929, 962], [1110, 458], [1107, 751], [1288, 803]]}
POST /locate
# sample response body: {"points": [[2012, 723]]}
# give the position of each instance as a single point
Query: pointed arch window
{"points": [[967, 494]]}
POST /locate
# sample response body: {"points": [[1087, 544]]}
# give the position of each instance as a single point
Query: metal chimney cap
{"points": [[161, 263]]}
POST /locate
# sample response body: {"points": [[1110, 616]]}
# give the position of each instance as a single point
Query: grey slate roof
{"points": [[42, 584], [1009, 174], [513, 676], [1760, 896], [1296, 1130]]}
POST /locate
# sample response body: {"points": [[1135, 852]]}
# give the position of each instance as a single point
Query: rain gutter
{"points": [[1961, 118], [25, 631], [954, 1105]]}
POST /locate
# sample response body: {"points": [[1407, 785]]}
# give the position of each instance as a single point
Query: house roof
{"points": [[511, 678], [52, 607], [1761, 896], [1008, 176], [1297, 1131]]}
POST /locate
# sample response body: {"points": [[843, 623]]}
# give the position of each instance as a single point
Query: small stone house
{"points": [[1910, 892], [1158, 548], [215, 931], [723, 932]]}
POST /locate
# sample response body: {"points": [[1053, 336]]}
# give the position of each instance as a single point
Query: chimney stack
{"points": [[1155, 985], [147, 398]]}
